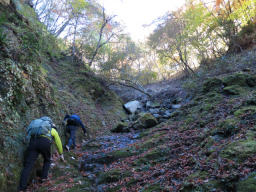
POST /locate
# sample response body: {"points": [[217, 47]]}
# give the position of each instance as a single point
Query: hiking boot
{"points": [[67, 147], [43, 180]]}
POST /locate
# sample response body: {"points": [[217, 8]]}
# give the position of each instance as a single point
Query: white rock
{"points": [[132, 106]]}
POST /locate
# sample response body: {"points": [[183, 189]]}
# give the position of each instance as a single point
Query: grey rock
{"points": [[153, 110], [168, 113], [157, 116], [176, 106]]}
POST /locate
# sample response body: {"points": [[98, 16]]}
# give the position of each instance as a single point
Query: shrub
{"points": [[2, 34]]}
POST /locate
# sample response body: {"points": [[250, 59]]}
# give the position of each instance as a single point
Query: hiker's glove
{"points": [[64, 123], [62, 157]]}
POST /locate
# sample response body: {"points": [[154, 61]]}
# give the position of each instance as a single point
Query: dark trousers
{"points": [[40, 145], [71, 129]]}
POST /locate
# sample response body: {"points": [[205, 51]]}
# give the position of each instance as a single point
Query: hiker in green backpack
{"points": [[40, 133]]}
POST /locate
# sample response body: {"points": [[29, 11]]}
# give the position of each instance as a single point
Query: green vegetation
{"points": [[153, 188], [240, 150], [111, 176], [247, 184]]}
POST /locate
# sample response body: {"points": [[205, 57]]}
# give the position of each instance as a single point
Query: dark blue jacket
{"points": [[75, 118]]}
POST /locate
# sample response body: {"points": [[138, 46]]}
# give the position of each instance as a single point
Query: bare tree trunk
{"points": [[129, 85], [62, 28], [74, 39], [184, 61], [99, 44]]}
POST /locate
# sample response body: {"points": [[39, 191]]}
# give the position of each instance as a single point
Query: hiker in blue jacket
{"points": [[72, 123]]}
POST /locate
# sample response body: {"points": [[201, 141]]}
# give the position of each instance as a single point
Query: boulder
{"points": [[132, 106], [251, 81], [145, 120], [212, 84], [121, 127], [239, 79], [233, 90]]}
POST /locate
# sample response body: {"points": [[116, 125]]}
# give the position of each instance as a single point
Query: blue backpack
{"points": [[74, 116], [37, 127]]}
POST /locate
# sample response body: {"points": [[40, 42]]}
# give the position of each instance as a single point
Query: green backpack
{"points": [[37, 127]]}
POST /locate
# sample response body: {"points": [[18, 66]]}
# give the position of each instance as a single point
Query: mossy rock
{"points": [[208, 107], [233, 90], [92, 145], [251, 81], [245, 110], [240, 150], [153, 141], [153, 188], [154, 104], [247, 185], [121, 127], [212, 185], [213, 97], [156, 153], [239, 79], [189, 120], [146, 120], [150, 143], [250, 101], [176, 114], [227, 128], [212, 84], [111, 176], [152, 157], [123, 153]]}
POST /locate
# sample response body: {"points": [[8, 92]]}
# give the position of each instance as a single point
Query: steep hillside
{"points": [[36, 80]]}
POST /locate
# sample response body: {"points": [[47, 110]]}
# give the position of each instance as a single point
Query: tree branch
{"points": [[113, 82]]}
